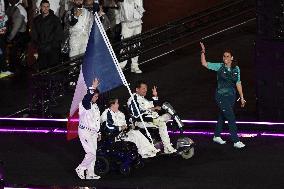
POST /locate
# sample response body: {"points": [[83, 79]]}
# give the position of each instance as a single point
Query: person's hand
{"points": [[3, 31], [78, 12], [95, 83], [202, 47], [99, 137], [123, 127], [36, 55], [154, 91], [243, 102], [156, 108]]}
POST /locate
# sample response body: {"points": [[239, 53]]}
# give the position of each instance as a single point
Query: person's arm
{"points": [[18, 21], [155, 99], [72, 17], [202, 56], [86, 102], [240, 89]]}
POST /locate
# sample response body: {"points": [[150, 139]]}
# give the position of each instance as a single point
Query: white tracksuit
{"points": [[79, 33], [144, 106], [130, 16], [89, 125], [117, 119]]}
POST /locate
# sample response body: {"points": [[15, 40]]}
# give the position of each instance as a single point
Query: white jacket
{"points": [[131, 12], [90, 118], [118, 118], [84, 24]]}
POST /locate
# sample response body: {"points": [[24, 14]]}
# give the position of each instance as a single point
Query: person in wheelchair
{"points": [[150, 109], [114, 121]]}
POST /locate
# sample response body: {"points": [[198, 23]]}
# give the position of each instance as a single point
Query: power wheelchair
{"points": [[184, 145], [116, 155]]}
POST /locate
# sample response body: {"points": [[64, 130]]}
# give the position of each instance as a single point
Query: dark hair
{"points": [[234, 62], [96, 91], [111, 101], [44, 1], [139, 83]]}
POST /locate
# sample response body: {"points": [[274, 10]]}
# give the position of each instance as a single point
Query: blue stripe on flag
{"points": [[98, 63]]}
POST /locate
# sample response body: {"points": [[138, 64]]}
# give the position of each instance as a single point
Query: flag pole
{"points": [[120, 72]]}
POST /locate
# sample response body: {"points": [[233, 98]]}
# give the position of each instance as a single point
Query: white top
{"points": [[90, 118], [117, 117]]}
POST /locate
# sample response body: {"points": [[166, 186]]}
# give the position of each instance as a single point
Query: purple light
{"points": [[185, 121], [64, 131], [239, 134], [273, 134], [238, 122], [32, 130], [33, 119]]}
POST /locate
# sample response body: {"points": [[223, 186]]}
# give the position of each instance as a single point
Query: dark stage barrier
{"points": [[269, 68]]}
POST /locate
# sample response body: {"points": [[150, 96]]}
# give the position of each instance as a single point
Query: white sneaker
{"points": [[156, 150], [169, 150], [122, 64], [80, 172], [135, 69], [95, 177], [7, 73], [239, 144], [148, 155], [219, 140]]}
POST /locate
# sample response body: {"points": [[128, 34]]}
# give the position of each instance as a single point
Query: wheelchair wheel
{"points": [[186, 154], [125, 170], [101, 166]]}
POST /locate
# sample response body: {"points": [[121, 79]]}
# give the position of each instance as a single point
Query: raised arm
{"points": [[202, 56]]}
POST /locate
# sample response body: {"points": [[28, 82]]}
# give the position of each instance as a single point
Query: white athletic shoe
{"points": [[122, 64], [239, 144], [219, 140], [169, 150], [148, 155], [80, 172], [135, 69], [93, 176]]}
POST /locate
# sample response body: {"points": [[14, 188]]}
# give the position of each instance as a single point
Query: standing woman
{"points": [[89, 126], [228, 79]]}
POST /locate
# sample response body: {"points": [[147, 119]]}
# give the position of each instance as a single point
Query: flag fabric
{"points": [[99, 62]]}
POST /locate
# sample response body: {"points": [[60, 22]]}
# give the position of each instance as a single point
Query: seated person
{"points": [[149, 111], [115, 120]]}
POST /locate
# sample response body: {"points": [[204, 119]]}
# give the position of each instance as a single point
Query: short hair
{"points": [[44, 1], [111, 101], [139, 83], [96, 91]]}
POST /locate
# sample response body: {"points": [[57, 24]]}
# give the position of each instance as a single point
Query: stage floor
{"points": [[48, 160]]}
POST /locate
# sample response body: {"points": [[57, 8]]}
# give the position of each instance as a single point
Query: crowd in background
{"points": [[40, 34]]}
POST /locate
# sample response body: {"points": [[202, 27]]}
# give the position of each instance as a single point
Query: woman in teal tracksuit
{"points": [[228, 79]]}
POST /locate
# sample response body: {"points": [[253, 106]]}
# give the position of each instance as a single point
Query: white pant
{"points": [[142, 143], [89, 143], [159, 123], [78, 45], [127, 32]]}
